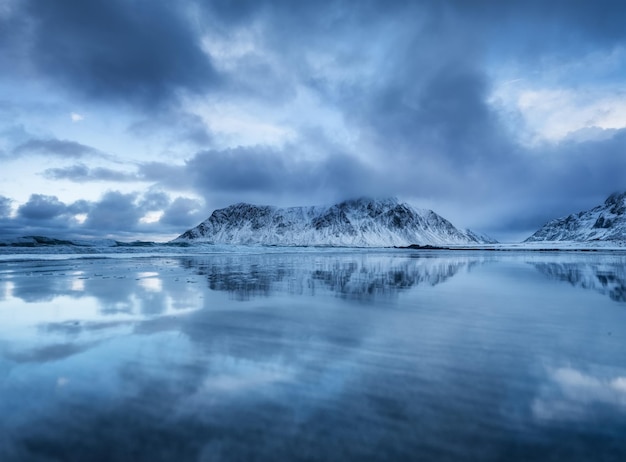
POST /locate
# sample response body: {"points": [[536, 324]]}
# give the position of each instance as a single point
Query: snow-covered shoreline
{"points": [[63, 252]]}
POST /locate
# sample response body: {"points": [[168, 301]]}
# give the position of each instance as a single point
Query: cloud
{"points": [[571, 394], [115, 211], [81, 173], [76, 117], [79, 207], [123, 214], [42, 207], [5, 207], [562, 178], [418, 115], [374, 98], [141, 52], [154, 200], [249, 171], [126, 215], [55, 147], [558, 179], [177, 126], [444, 120], [555, 114], [183, 213], [167, 175], [568, 24]]}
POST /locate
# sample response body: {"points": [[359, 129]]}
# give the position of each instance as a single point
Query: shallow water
{"points": [[315, 356]]}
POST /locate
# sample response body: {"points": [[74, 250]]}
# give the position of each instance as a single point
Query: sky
{"points": [[135, 119]]}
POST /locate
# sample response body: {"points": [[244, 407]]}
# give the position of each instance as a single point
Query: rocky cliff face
{"points": [[360, 223], [606, 222]]}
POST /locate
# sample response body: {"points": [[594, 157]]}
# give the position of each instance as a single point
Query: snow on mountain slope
{"points": [[480, 237], [354, 223], [606, 222]]}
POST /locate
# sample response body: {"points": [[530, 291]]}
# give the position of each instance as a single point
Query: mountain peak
{"points": [[361, 222], [366, 200], [606, 222], [616, 199]]}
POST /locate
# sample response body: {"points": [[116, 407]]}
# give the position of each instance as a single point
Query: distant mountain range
{"points": [[361, 222], [606, 222]]}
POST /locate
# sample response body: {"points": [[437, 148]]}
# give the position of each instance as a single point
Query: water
{"points": [[315, 356]]}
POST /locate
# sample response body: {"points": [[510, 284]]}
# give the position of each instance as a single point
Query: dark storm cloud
{"points": [[411, 80], [54, 147], [566, 178], [244, 169], [12, 45], [423, 111], [558, 26], [258, 169], [446, 119], [523, 190], [587, 168], [81, 173], [428, 114], [183, 213], [140, 51]]}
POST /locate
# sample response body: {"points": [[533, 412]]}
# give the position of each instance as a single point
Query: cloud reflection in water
{"points": [[306, 357]]}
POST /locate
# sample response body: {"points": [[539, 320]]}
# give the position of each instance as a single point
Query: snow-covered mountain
{"points": [[606, 222], [480, 237], [355, 223]]}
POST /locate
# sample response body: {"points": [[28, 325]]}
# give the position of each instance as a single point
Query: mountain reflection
{"points": [[606, 276], [78, 304], [158, 358], [128, 290], [347, 276]]}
